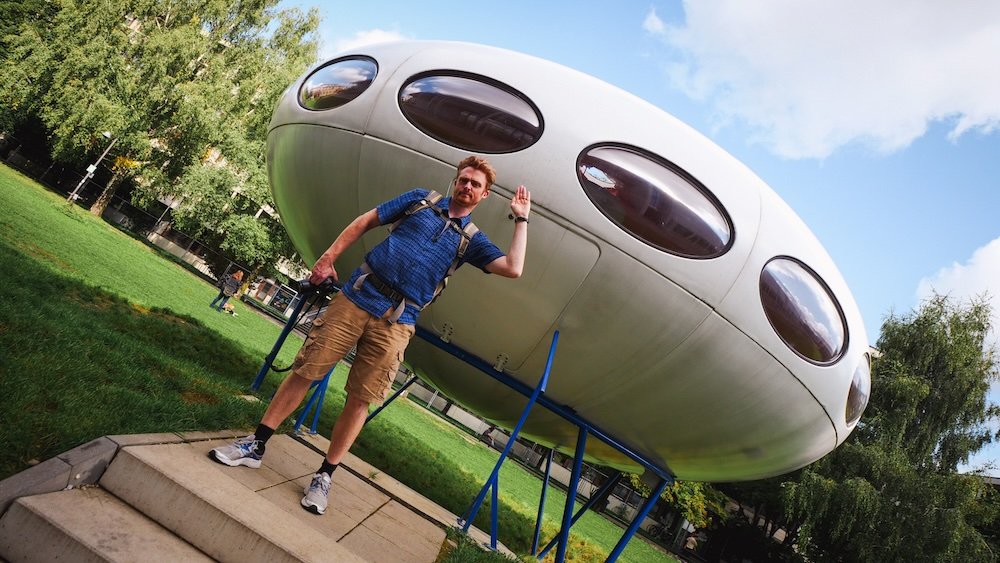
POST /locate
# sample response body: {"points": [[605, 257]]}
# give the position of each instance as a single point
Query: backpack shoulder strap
{"points": [[430, 200], [468, 232]]}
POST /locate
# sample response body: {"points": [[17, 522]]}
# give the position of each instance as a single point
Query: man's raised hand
{"points": [[520, 204]]}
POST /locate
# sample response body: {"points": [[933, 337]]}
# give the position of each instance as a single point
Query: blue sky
{"points": [[880, 128]]}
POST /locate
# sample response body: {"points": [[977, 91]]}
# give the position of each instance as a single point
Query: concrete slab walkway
{"points": [[404, 495], [163, 490]]}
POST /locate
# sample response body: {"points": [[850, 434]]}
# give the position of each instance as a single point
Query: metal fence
{"points": [[152, 224]]}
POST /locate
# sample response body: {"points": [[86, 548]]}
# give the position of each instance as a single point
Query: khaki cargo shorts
{"points": [[380, 347]]}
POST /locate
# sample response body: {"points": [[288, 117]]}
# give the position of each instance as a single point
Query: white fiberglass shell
{"points": [[672, 355]]}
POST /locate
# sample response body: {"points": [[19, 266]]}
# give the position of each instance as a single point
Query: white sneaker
{"points": [[316, 494], [241, 452]]}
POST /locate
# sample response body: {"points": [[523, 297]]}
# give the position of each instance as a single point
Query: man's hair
{"points": [[480, 164]]}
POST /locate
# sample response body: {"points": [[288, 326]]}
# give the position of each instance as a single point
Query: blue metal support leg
{"points": [[492, 481], [541, 502], [392, 398], [319, 393], [646, 507], [574, 483], [269, 360], [494, 510], [611, 482]]}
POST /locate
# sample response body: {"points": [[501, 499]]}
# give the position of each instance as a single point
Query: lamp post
{"points": [[92, 168]]}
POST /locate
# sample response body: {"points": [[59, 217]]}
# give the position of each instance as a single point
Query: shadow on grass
{"points": [[80, 362]]}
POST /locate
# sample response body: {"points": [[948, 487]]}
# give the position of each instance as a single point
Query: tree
{"points": [[166, 78], [891, 491], [226, 201], [13, 15], [939, 371], [215, 210], [698, 503], [181, 85]]}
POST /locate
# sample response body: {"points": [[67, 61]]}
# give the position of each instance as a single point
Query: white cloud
{"points": [[359, 39], [653, 24], [810, 76], [979, 276]]}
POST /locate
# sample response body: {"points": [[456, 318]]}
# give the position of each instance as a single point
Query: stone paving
{"points": [[163, 490]]}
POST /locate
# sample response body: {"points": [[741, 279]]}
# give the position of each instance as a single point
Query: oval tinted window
{"points": [[857, 397], [471, 113], [802, 311], [337, 83], [654, 201]]}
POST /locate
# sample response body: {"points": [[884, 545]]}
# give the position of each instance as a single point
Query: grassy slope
{"points": [[64, 320]]}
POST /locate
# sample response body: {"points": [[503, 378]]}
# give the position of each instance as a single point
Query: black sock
{"points": [[328, 467], [262, 435]]}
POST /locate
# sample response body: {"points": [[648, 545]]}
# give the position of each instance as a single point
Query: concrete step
{"points": [[230, 513], [86, 525], [201, 509], [404, 495]]}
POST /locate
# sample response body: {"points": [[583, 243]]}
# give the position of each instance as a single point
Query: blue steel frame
{"points": [[319, 391], [541, 502], [494, 480], [611, 482], [535, 396], [307, 291]]}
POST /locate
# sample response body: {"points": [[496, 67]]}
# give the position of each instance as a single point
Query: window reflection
{"points": [[654, 201], [861, 387], [802, 311], [337, 83], [470, 114]]}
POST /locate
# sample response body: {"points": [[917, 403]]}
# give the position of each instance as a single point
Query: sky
{"points": [[879, 127]]}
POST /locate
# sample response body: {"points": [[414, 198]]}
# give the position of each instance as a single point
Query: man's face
{"points": [[470, 187]]}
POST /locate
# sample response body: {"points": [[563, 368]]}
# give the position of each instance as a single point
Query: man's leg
{"points": [[288, 397], [346, 428], [380, 350], [331, 337], [248, 451]]}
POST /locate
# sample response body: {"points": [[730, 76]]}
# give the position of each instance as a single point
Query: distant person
{"points": [[487, 435], [229, 287], [692, 542], [378, 307]]}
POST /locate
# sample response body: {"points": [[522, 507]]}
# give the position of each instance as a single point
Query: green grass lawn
{"points": [[102, 334]]}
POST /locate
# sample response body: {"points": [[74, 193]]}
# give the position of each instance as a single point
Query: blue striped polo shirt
{"points": [[416, 256]]}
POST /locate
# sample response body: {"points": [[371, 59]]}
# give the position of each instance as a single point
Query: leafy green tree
{"points": [[891, 492], [14, 14], [181, 85], [215, 210], [698, 503]]}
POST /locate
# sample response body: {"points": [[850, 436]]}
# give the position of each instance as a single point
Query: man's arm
{"points": [[324, 265], [511, 265]]}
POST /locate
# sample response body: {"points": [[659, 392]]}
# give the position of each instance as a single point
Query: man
{"points": [[378, 308]]}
